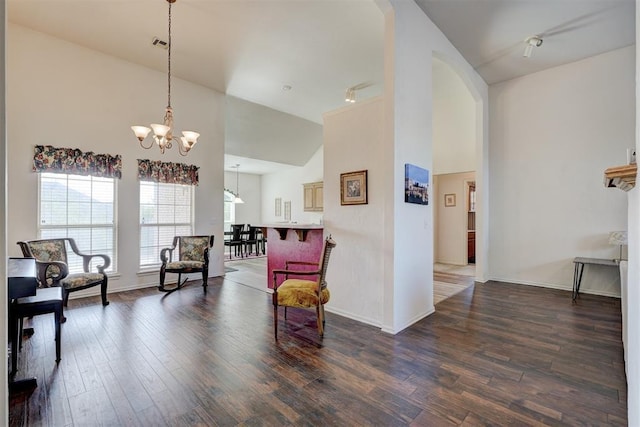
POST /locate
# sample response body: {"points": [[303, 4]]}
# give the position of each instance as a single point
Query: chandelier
{"points": [[163, 133]]}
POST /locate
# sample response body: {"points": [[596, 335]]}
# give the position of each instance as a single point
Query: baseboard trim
{"points": [[556, 286]]}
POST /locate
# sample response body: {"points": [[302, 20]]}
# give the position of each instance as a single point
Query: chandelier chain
{"points": [[169, 63], [163, 134]]}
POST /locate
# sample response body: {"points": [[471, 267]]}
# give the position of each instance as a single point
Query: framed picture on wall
{"points": [[416, 185], [353, 188], [450, 200]]}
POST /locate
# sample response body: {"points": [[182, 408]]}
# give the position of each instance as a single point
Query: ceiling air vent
{"points": [[160, 43]]}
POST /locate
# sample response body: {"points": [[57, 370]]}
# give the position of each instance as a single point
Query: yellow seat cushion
{"points": [[301, 293]]}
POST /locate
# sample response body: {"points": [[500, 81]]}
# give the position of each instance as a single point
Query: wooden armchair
{"points": [[53, 269], [192, 257], [303, 293]]}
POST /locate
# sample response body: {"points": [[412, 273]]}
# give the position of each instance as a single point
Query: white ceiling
{"points": [[490, 34], [251, 49]]}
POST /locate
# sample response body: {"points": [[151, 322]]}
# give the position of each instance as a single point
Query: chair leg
{"points": [[58, 320], [319, 321], [163, 273], [20, 328], [65, 296], [205, 278], [275, 315], [103, 291], [13, 320]]}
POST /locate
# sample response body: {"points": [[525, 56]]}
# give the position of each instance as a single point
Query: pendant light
{"points": [[237, 199], [163, 133]]}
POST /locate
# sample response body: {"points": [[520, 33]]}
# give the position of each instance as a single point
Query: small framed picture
{"points": [[353, 188], [416, 184], [450, 200]]}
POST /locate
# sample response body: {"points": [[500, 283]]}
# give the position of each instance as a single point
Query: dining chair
{"points": [[236, 240], [303, 293], [252, 241]]}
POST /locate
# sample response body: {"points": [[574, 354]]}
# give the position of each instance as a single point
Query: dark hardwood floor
{"points": [[493, 354]]}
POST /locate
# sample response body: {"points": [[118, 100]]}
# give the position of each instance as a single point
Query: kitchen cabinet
{"points": [[313, 197]]}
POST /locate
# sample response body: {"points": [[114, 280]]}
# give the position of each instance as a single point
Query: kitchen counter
{"points": [[304, 244]]}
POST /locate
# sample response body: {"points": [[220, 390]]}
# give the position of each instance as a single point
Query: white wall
{"points": [[411, 40], [632, 345], [4, 391], [287, 185], [454, 122], [553, 134], [69, 96], [249, 212], [353, 138], [451, 237]]}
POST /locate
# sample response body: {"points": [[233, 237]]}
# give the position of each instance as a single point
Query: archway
{"points": [[459, 170]]}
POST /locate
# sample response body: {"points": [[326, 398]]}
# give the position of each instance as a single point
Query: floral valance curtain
{"points": [[167, 172], [74, 161]]}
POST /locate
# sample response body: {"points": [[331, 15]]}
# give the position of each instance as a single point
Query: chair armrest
{"points": [[86, 258], [163, 254], [43, 266], [288, 263], [287, 272], [86, 261]]}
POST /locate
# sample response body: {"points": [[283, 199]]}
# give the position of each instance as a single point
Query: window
{"points": [[229, 210], [80, 207], [166, 210]]}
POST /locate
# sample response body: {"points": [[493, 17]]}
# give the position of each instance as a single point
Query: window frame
{"points": [[113, 267], [191, 224]]}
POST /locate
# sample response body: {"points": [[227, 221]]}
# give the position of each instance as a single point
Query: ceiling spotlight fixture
{"points": [[531, 42], [350, 95], [163, 133], [237, 199], [286, 87]]}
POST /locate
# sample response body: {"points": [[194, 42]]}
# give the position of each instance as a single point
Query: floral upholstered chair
{"points": [[53, 266], [294, 292], [192, 257]]}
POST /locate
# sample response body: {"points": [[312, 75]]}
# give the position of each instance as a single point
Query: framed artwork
{"points": [[287, 210], [449, 200], [278, 206], [416, 185], [353, 188]]}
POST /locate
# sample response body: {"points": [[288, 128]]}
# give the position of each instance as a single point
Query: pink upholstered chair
{"points": [[303, 293]]}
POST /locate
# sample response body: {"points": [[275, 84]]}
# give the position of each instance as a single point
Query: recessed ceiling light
{"points": [[286, 87]]}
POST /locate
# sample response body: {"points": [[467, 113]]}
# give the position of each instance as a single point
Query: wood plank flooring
{"points": [[493, 354]]}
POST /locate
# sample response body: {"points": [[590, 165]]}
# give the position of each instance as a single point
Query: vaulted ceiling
{"points": [[295, 59]]}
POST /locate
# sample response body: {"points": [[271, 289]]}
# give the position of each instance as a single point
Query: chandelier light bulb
{"points": [[160, 130], [141, 132]]}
